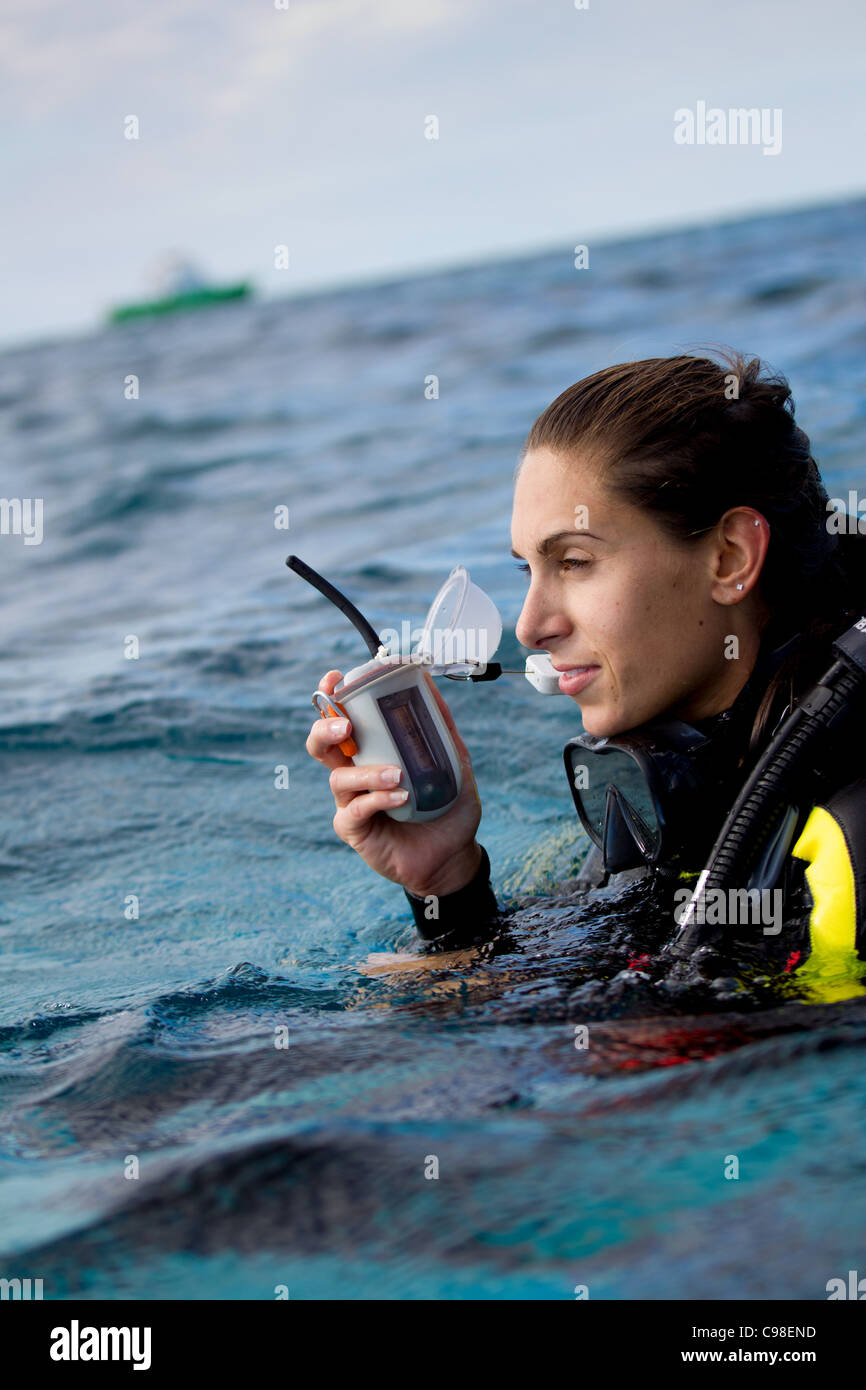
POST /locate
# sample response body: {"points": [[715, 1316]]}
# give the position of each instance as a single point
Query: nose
{"points": [[539, 622]]}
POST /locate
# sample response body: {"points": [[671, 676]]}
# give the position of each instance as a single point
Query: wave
{"points": [[178, 723], [787, 291]]}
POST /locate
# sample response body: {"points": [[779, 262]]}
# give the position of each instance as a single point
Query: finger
{"points": [[346, 782], [325, 733], [362, 808], [327, 686], [324, 739]]}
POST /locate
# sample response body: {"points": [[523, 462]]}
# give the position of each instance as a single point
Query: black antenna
{"points": [[340, 601]]}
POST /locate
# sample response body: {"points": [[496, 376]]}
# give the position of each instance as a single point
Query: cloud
{"points": [[218, 53]]}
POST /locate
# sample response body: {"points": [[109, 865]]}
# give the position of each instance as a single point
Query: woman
{"points": [[684, 563]]}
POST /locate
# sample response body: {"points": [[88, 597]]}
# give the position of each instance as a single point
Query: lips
{"points": [[573, 679]]}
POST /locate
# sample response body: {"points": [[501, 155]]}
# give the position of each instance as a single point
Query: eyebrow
{"points": [[550, 542]]}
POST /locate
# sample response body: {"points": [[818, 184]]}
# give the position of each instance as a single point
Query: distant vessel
{"points": [[179, 285]]}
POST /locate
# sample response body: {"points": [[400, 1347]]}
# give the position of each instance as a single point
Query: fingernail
{"points": [[391, 776], [339, 726], [396, 797]]}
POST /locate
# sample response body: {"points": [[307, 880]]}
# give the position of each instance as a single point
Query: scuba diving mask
{"points": [[636, 793], [658, 793]]}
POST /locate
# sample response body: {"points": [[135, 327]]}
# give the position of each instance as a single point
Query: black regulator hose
{"points": [[339, 600], [773, 784]]}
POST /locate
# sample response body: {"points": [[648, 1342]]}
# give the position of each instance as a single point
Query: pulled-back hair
{"points": [[686, 438]]}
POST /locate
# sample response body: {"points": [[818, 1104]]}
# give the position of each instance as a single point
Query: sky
{"points": [[303, 123]]}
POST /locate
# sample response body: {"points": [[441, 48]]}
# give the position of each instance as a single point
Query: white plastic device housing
{"points": [[359, 693]]}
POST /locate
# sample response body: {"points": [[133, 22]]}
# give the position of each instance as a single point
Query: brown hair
{"points": [[687, 438]]}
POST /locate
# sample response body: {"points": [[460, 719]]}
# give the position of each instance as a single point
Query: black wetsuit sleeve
{"points": [[454, 918]]}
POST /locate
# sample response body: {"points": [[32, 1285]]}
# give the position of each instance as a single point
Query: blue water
{"points": [[151, 1039]]}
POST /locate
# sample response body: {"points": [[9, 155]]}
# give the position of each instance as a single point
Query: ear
{"points": [[743, 538]]}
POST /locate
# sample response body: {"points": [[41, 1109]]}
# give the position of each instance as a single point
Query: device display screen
{"points": [[412, 729]]}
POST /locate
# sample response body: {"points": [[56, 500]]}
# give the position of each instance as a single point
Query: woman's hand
{"points": [[428, 857]]}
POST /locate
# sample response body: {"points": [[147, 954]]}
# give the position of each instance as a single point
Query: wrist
{"points": [[456, 874]]}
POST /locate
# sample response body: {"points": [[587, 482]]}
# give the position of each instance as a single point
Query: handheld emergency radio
{"points": [[394, 716]]}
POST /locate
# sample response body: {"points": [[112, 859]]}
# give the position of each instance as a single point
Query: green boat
{"points": [[198, 298]]}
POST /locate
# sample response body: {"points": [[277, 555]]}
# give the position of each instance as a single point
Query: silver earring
{"points": [[739, 586]]}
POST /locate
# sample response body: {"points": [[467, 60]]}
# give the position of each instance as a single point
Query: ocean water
{"points": [[166, 910]]}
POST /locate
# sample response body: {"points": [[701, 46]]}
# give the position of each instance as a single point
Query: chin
{"points": [[595, 723], [602, 724]]}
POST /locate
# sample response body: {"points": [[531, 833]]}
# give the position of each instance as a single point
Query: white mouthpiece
{"points": [[540, 673]]}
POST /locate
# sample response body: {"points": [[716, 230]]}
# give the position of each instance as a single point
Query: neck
{"points": [[742, 697]]}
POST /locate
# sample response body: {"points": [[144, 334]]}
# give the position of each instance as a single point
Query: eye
{"points": [[564, 564]]}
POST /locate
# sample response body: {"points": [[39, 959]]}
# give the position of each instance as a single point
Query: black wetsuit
{"points": [[824, 877]]}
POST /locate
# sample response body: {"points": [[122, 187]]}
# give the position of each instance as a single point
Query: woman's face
{"points": [[609, 590]]}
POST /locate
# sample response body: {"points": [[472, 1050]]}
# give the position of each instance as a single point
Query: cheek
{"points": [[642, 631], [655, 597], [627, 619]]}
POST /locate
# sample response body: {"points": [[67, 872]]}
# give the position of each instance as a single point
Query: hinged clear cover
{"points": [[462, 630]]}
